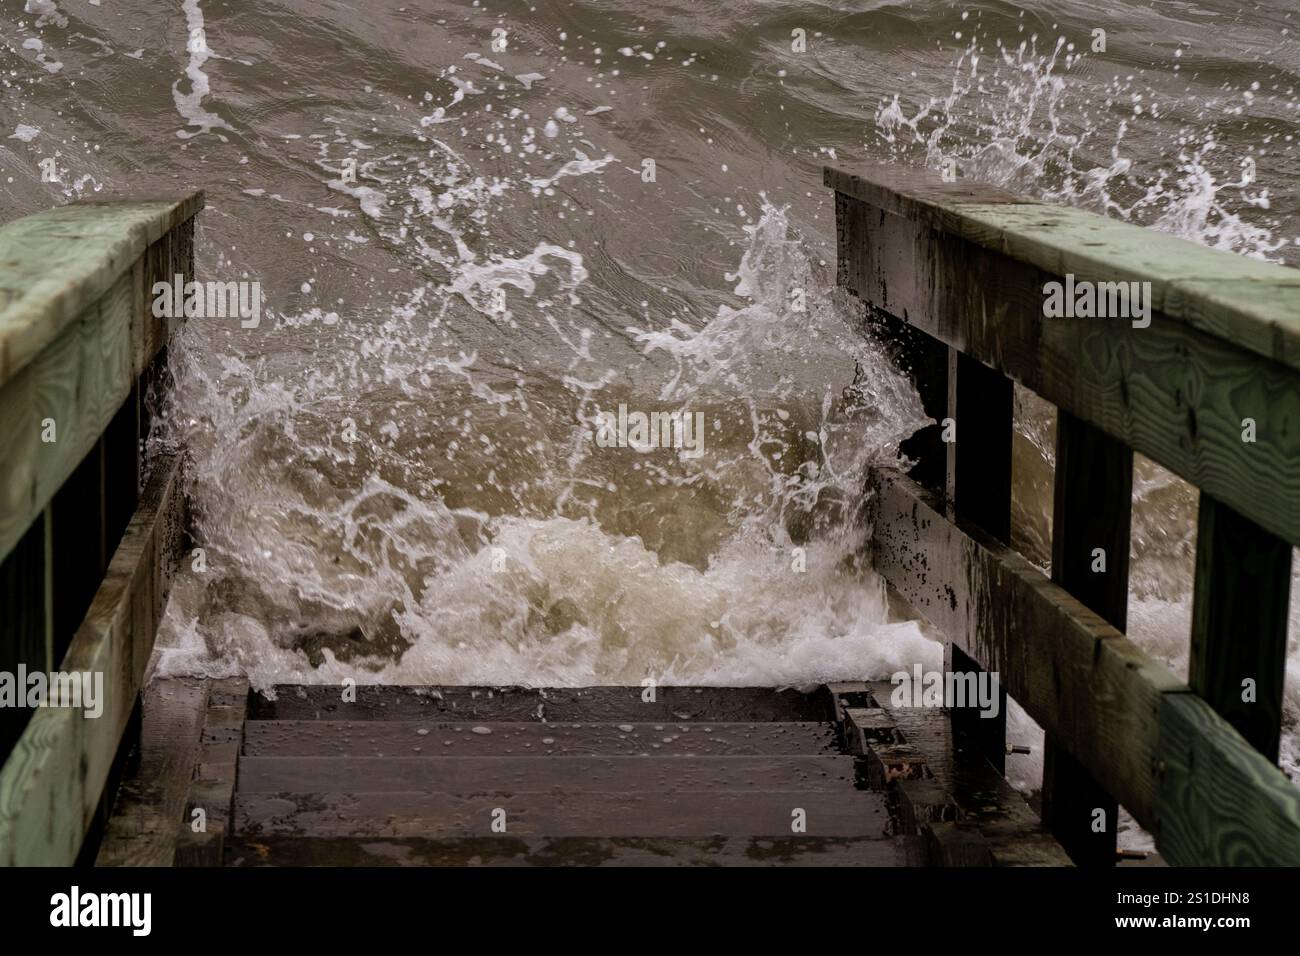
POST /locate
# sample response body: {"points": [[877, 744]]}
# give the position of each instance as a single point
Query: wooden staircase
{"points": [[682, 776], [451, 776]]}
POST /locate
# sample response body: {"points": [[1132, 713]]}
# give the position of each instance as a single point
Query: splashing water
{"points": [[395, 476]]}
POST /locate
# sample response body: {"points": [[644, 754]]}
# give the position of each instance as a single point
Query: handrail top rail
{"points": [[55, 263], [1251, 303]]}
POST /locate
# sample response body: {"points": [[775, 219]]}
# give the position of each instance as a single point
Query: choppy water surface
{"points": [[474, 531]]}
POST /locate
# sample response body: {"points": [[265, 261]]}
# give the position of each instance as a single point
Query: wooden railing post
{"points": [[85, 556], [1090, 555], [981, 406], [974, 269], [1239, 622]]}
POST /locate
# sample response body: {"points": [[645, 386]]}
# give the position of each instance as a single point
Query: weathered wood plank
{"points": [[23, 624], [1241, 299], [51, 784], [71, 387], [57, 263], [378, 702], [1219, 802], [461, 774], [142, 830], [562, 813], [1239, 622], [1123, 716], [506, 850], [1181, 391], [995, 825], [981, 404], [398, 738], [209, 804], [922, 358], [1090, 557]]}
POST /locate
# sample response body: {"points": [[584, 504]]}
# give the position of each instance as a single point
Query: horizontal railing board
{"points": [[1175, 393], [55, 264], [1250, 302], [1121, 714], [81, 377], [913, 193], [50, 785], [1207, 808]]}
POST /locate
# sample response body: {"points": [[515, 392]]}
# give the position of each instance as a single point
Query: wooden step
{"points": [[580, 704], [576, 851], [517, 774], [409, 738], [562, 813]]}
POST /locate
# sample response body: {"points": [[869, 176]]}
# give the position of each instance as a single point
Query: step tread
{"points": [[576, 851], [605, 704], [567, 813], [409, 738], [515, 774]]}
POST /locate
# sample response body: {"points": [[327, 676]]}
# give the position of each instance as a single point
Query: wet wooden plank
{"points": [[459, 774], [561, 813], [964, 807], [1086, 684], [203, 828], [50, 786], [142, 830], [370, 738], [1090, 558], [922, 358], [583, 704], [1179, 391], [578, 851], [1077, 677], [980, 405], [916, 194]]}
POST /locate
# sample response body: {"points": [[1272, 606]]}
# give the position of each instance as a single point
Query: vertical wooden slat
{"points": [[22, 623], [861, 264], [121, 468], [1239, 622], [981, 405], [47, 582], [1091, 513], [78, 546]]}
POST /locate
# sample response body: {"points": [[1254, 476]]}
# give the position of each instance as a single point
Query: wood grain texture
{"points": [[51, 784], [1219, 801], [1244, 300], [1177, 391], [58, 263], [1162, 752], [80, 378], [142, 830]]}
